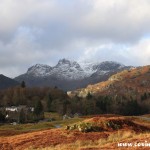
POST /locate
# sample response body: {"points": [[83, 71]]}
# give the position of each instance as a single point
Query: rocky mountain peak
{"points": [[68, 63], [39, 69], [68, 69], [63, 61], [108, 65]]}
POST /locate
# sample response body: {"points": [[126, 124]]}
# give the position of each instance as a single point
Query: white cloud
{"points": [[137, 54]]}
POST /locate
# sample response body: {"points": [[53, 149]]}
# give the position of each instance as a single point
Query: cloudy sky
{"points": [[44, 31]]}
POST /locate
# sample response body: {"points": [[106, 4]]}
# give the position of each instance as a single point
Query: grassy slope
{"points": [[60, 139]]}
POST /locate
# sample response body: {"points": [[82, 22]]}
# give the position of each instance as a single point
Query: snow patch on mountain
{"points": [[39, 70], [72, 70], [88, 67], [68, 70]]}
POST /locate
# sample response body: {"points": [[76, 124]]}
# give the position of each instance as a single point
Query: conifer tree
{"points": [[22, 116], [23, 84], [38, 108], [49, 102]]}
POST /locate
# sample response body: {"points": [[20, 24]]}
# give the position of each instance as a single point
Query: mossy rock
{"points": [[84, 127]]}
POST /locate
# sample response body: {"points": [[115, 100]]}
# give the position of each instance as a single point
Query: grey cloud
{"points": [[123, 20], [43, 31]]}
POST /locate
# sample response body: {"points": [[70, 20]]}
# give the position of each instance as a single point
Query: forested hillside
{"points": [[127, 93]]}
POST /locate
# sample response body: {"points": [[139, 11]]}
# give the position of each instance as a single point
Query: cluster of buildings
{"points": [[12, 113], [19, 108]]}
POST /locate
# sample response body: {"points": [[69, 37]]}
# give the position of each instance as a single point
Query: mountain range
{"points": [[70, 75]]}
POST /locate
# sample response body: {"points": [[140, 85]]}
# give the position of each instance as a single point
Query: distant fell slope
{"points": [[6, 82], [135, 81]]}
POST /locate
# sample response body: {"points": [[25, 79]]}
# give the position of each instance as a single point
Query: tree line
{"points": [[55, 100]]}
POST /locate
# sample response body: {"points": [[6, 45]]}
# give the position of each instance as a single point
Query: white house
{"points": [[19, 108], [32, 109], [12, 108]]}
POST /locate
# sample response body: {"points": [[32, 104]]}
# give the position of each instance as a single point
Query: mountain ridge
{"points": [[86, 70], [68, 74]]}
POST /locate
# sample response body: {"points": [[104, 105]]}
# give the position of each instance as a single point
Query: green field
{"points": [[8, 129]]}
